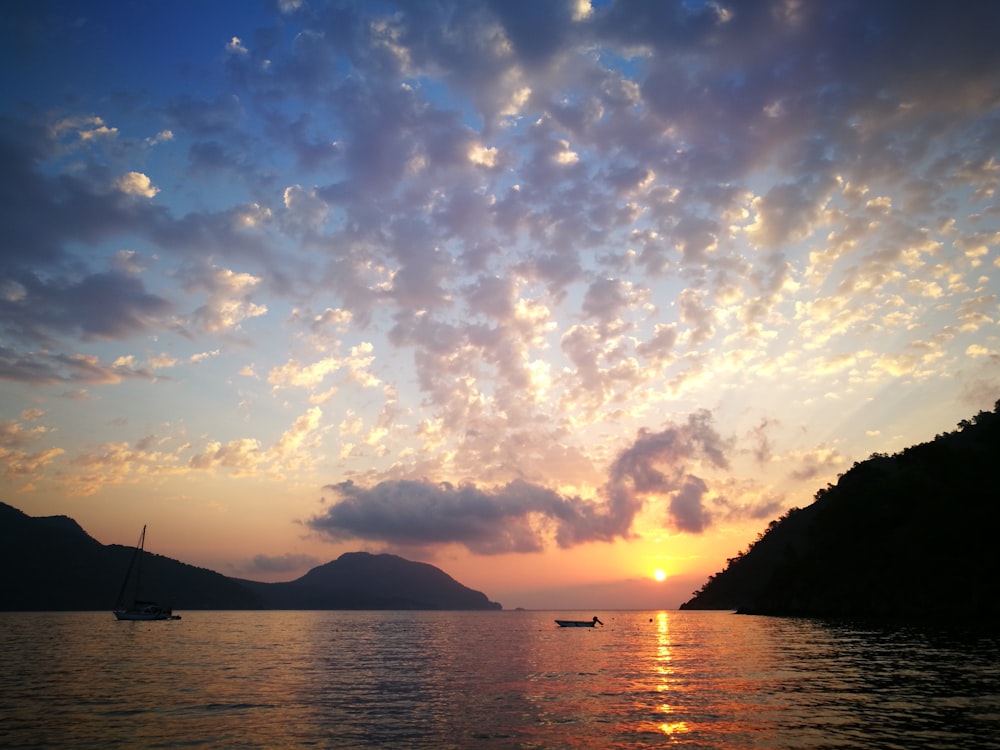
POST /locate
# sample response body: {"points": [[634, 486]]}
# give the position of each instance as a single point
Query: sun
{"points": [[659, 575]]}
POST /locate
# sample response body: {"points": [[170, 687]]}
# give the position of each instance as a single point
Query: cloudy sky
{"points": [[551, 294]]}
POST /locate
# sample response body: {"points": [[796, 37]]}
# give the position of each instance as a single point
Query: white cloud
{"points": [[162, 137], [235, 46], [228, 301], [483, 156], [136, 183], [295, 374]]}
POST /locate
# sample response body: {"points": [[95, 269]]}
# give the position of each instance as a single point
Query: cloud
{"points": [[162, 137], [762, 446], [816, 462], [86, 472], [605, 299], [109, 305], [115, 463], [785, 214], [687, 509], [305, 209], [228, 302], [42, 213], [354, 368], [699, 317], [83, 127], [336, 319], [162, 361], [295, 441], [523, 517], [656, 466], [235, 46], [294, 374], [136, 183], [486, 521], [199, 357], [22, 463], [48, 368], [242, 456], [661, 344], [975, 351]]}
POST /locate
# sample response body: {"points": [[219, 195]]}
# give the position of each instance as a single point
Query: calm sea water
{"points": [[490, 680]]}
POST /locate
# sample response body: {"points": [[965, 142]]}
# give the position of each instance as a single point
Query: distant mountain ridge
{"points": [[910, 536], [51, 564], [360, 580]]}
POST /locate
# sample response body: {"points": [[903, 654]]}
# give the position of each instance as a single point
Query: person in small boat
{"points": [[597, 622]]}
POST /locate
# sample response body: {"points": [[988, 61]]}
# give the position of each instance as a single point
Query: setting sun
{"points": [[659, 575]]}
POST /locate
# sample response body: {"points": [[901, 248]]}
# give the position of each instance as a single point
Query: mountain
{"points": [[359, 580], [51, 563], [911, 536]]}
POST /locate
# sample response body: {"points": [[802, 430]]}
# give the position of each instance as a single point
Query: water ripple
{"points": [[491, 680]]}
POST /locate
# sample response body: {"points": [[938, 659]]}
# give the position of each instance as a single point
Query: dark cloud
{"points": [[762, 446], [109, 305], [423, 268], [41, 214], [785, 214], [661, 345], [687, 508], [523, 517], [487, 521], [695, 237], [656, 466], [492, 296], [48, 368], [605, 299], [796, 79], [536, 30]]}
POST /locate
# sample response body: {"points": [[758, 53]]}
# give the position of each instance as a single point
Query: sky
{"points": [[553, 294]]}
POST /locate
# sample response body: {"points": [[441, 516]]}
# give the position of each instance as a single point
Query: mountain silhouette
{"points": [[911, 536], [360, 580], [51, 564]]}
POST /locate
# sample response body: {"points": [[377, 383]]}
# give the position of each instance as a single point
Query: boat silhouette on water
{"points": [[138, 609], [579, 623]]}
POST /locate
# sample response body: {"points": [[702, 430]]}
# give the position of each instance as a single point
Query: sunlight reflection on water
{"points": [[489, 679]]}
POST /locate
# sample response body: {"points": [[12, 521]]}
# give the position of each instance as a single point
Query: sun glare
{"points": [[659, 575]]}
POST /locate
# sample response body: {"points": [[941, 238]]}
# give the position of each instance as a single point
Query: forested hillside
{"points": [[905, 536]]}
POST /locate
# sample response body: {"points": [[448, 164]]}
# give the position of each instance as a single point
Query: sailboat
{"points": [[138, 609]]}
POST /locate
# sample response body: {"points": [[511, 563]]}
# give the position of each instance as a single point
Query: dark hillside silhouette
{"points": [[908, 536], [51, 564], [359, 580]]}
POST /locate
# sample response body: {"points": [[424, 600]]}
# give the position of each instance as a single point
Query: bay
{"points": [[491, 679]]}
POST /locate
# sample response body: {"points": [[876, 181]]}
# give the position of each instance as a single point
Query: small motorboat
{"points": [[579, 623]]}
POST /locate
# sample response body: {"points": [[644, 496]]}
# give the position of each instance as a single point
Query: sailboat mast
{"points": [[136, 558], [138, 565]]}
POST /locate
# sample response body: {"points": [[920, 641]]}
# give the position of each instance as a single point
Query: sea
{"points": [[511, 679]]}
